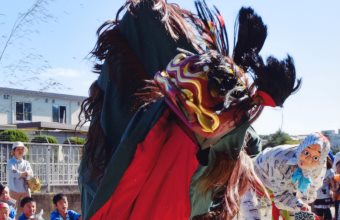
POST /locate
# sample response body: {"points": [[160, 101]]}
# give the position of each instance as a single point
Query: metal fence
{"points": [[54, 164]]}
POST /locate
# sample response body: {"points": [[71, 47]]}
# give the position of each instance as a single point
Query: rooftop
{"points": [[51, 126], [11, 91]]}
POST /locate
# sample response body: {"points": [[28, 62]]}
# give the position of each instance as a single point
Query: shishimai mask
{"points": [[206, 91], [211, 92]]}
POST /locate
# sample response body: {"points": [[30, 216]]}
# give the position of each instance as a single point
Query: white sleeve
{"points": [[29, 169]]}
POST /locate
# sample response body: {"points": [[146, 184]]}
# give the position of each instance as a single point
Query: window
{"points": [[59, 114], [23, 111], [6, 96]]}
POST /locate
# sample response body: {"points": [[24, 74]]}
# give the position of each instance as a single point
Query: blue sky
{"points": [[54, 48]]}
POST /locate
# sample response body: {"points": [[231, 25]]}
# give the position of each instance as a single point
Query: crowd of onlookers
{"points": [[28, 206], [15, 199]]}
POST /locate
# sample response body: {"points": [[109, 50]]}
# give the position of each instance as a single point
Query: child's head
{"points": [[312, 152], [4, 193], [61, 203], [28, 206], [4, 211], [310, 157], [19, 150], [337, 167]]}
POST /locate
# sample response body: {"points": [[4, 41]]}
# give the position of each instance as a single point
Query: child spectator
{"points": [[5, 197], [335, 185], [28, 206], [324, 200], [4, 211], [18, 171], [62, 212]]}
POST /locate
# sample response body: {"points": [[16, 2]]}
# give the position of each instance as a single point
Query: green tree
{"points": [[44, 139], [13, 135], [279, 138]]}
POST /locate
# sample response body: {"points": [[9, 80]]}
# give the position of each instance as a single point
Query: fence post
{"points": [[48, 156]]}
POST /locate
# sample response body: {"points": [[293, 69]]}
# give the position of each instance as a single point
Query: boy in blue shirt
{"points": [[28, 206], [62, 212]]}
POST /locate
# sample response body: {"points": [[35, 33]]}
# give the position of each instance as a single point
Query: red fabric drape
{"points": [[156, 184]]}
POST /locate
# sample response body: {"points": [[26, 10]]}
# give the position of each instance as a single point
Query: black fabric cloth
{"points": [[337, 207], [149, 39], [203, 156], [325, 213], [327, 201]]}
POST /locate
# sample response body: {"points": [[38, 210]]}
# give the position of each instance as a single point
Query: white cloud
{"points": [[76, 80], [62, 72]]}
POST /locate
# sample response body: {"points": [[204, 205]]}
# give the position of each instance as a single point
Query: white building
{"points": [[32, 109]]}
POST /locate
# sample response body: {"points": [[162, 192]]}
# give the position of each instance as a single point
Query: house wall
{"points": [[41, 108], [75, 110], [3, 118], [5, 110]]}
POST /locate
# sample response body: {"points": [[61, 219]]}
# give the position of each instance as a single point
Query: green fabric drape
{"points": [[154, 48], [200, 202]]}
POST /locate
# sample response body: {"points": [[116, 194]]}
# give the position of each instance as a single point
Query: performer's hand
{"points": [[305, 208]]}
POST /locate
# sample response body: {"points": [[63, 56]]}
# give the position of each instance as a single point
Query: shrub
{"points": [[13, 135], [279, 138], [75, 140], [44, 139], [297, 142]]}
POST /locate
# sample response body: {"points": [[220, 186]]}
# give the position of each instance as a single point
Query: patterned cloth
{"points": [[275, 167]]}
